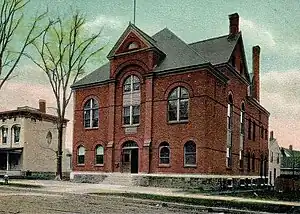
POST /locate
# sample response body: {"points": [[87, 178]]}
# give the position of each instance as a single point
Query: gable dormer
{"points": [[135, 45]]}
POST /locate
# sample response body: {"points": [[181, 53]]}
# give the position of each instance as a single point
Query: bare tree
{"points": [[63, 50], [11, 21]]}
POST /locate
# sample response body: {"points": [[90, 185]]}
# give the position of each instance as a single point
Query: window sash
{"points": [[16, 134], [99, 159], [131, 115], [4, 134], [164, 155], [190, 158], [80, 159]]}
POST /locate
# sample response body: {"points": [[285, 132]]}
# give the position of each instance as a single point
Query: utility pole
{"points": [[134, 9]]}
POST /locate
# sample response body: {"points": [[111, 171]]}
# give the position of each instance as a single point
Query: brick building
{"points": [[161, 105]]}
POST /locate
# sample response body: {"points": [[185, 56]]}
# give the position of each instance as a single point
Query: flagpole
{"points": [[134, 6]]}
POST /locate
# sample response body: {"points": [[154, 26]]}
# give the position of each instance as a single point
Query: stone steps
{"points": [[122, 179]]}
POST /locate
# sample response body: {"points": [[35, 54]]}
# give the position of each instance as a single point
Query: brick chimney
{"points": [[291, 147], [233, 24], [271, 135], [255, 68], [42, 106]]}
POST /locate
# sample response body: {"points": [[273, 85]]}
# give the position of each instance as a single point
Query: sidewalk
{"points": [[85, 188]]}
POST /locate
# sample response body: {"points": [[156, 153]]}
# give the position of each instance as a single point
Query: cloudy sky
{"points": [[271, 24]]}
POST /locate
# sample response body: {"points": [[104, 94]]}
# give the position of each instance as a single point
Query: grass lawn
{"points": [[13, 184], [268, 195]]}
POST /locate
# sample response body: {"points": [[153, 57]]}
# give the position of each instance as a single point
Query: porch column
{"points": [[148, 124], [111, 128], [7, 161]]}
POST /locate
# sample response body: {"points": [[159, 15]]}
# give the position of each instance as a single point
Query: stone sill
{"points": [[93, 128], [131, 126], [178, 122], [190, 166], [81, 165], [164, 165], [99, 165]]}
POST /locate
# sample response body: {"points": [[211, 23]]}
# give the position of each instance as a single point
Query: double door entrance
{"points": [[130, 157]]}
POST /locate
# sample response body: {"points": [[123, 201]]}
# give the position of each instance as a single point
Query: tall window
{"points": [[91, 114], [99, 154], [248, 161], [178, 105], [16, 133], [249, 129], [229, 131], [164, 153], [253, 162], [131, 101], [80, 155], [190, 153], [242, 134], [4, 133], [254, 130]]}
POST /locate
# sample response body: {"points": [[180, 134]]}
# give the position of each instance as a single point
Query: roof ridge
{"points": [[142, 33], [187, 45], [209, 39]]}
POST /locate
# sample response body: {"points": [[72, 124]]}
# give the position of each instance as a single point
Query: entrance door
{"points": [[134, 160], [130, 159]]}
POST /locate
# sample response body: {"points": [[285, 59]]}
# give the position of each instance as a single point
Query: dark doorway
{"points": [[134, 160], [130, 157]]}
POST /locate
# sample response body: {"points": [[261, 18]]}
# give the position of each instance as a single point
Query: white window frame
{"points": [[133, 79], [13, 133], [161, 146], [178, 99], [81, 153], [4, 129], [190, 153], [90, 111], [96, 154], [229, 161]]}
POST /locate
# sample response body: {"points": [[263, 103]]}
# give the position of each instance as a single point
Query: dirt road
{"points": [[28, 202]]}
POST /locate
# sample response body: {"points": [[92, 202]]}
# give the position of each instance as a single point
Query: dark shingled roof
{"points": [[178, 53], [216, 50], [99, 75]]}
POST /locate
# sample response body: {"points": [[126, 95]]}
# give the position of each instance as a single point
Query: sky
{"points": [[273, 25]]}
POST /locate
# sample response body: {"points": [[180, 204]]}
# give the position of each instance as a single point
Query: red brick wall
{"points": [[206, 125]]}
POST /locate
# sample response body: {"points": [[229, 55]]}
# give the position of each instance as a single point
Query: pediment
{"points": [[133, 39]]}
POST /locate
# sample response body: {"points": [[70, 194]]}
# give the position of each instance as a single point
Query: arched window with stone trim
{"points": [[131, 100], [242, 135], [4, 134], [178, 105], [164, 153], [190, 153], [229, 131], [15, 133], [99, 154], [80, 155], [91, 114]]}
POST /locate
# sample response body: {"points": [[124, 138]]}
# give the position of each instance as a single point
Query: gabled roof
{"points": [[178, 53], [216, 50], [290, 158], [131, 27]]}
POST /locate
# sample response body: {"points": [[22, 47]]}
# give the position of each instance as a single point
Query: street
{"points": [[25, 202]]}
